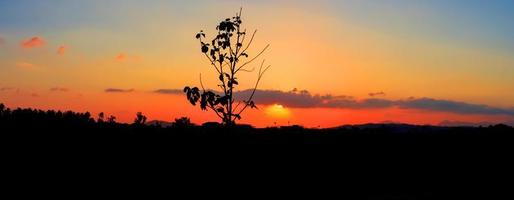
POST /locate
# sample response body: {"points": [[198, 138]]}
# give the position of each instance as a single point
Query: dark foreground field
{"points": [[375, 161]]}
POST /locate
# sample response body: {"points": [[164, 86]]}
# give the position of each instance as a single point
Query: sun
{"points": [[277, 111]]}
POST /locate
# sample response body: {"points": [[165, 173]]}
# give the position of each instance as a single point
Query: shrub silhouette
{"points": [[226, 53], [182, 122], [140, 119], [101, 117], [111, 119]]}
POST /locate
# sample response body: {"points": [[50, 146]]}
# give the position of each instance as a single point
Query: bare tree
{"points": [[227, 54]]}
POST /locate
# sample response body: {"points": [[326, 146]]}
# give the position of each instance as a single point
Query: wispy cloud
{"points": [[33, 42], [117, 90], [59, 89], [169, 91], [373, 94], [62, 50], [2, 89], [452, 106], [2, 40], [25, 65], [122, 57]]}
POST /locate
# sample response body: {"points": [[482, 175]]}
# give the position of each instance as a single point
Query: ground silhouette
{"points": [[421, 158]]}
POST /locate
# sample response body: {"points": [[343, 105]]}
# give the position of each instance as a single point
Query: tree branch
{"points": [[248, 62], [249, 43], [261, 73]]}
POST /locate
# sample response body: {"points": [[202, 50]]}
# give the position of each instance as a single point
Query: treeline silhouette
{"points": [[415, 155], [61, 125]]}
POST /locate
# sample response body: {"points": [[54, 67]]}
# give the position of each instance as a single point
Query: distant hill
{"points": [[449, 123], [163, 124]]}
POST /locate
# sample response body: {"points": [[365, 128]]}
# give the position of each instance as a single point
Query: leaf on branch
{"points": [[205, 49], [251, 104], [203, 102], [192, 94], [200, 34], [220, 109], [223, 100]]}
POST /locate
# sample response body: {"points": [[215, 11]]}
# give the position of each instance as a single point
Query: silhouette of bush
{"points": [[111, 119], [140, 119], [183, 122], [227, 53], [101, 117]]}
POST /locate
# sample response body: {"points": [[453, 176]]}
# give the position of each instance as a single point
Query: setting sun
{"points": [[277, 111]]}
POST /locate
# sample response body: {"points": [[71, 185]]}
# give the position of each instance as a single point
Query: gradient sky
{"points": [[429, 61]]}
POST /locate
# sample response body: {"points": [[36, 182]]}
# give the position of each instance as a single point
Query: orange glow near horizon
{"points": [[168, 107], [277, 111]]}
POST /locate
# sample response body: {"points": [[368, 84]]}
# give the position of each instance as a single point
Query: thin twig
{"points": [[212, 63], [201, 82], [246, 70], [250, 43], [261, 73], [248, 62]]}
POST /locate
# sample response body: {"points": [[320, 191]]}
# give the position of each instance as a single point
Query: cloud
{"points": [[117, 90], [6, 89], [373, 94], [121, 57], [169, 91], [304, 99], [33, 42], [2, 40], [452, 106], [61, 50], [59, 89], [25, 65]]}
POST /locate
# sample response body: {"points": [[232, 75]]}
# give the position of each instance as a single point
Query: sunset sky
{"points": [[334, 62]]}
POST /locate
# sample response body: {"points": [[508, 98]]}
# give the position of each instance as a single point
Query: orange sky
{"points": [[65, 56]]}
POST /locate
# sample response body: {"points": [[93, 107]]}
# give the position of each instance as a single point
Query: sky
{"points": [[333, 62]]}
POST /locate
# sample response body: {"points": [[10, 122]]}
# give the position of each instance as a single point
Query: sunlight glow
{"points": [[277, 111]]}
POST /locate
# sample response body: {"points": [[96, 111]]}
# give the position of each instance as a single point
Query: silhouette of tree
{"points": [[2, 107], [111, 119], [227, 53], [101, 117], [140, 119], [182, 122]]}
